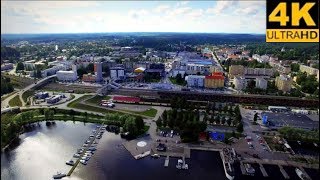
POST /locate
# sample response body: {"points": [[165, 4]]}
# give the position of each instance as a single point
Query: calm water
{"points": [[43, 151]]}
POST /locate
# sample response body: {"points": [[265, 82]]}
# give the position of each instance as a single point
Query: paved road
{"points": [[5, 103]]}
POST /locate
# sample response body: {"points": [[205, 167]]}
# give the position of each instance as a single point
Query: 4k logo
{"points": [[292, 21]]}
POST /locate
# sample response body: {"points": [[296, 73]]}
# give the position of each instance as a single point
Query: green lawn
{"points": [[75, 102], [7, 95], [26, 94], [97, 99], [15, 101], [150, 112], [173, 80]]}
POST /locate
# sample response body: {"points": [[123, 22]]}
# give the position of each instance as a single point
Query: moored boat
{"points": [[59, 175]]}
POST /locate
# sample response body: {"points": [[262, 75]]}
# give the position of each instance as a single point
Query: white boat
{"points": [[70, 162], [155, 155], [181, 164], [301, 174], [59, 175], [249, 169], [76, 155], [85, 158], [84, 162]]}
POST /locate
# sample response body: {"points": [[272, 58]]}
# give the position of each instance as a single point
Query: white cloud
{"points": [[161, 8], [65, 16]]}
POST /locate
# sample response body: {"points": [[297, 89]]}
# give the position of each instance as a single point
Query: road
{"points": [[5, 103]]}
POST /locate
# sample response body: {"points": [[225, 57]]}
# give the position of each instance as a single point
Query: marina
{"points": [[86, 152], [209, 163]]}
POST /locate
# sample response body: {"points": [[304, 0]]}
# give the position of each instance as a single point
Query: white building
{"points": [[117, 72], [263, 59], [261, 83], [195, 81], [68, 76], [175, 72], [56, 48], [53, 70], [239, 82]]}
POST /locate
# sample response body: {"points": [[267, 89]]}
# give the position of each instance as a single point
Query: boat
{"points": [[59, 175], [70, 162], [249, 169], [91, 135], [89, 152], [181, 164], [84, 162], [76, 155], [85, 145], [85, 158], [155, 155], [301, 174], [92, 148]]}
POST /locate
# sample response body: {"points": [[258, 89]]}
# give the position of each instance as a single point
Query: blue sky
{"points": [[132, 16]]}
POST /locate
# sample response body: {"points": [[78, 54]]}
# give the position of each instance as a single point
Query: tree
{"points": [[223, 120], [295, 67], [46, 114], [130, 126], [159, 122], [251, 84], [255, 117], [229, 122], [19, 67], [240, 127], [139, 123]]}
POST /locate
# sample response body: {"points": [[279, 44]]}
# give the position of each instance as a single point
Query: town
{"points": [[140, 81]]}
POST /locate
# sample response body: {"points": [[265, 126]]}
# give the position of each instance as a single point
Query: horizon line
{"points": [[130, 32]]}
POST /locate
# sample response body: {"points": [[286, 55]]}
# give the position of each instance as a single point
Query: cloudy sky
{"points": [[132, 16]]}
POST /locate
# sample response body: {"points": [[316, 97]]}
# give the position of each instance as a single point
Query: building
{"points": [[261, 83], [53, 99], [53, 70], [195, 81], [215, 80], [309, 70], [282, 68], [117, 73], [6, 66], [97, 76], [56, 48], [239, 82], [68, 76], [98, 71], [29, 65], [41, 95], [236, 70], [175, 72], [258, 71], [284, 82]]}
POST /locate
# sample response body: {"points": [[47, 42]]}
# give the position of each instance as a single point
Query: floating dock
{"points": [[166, 162], [85, 149]]}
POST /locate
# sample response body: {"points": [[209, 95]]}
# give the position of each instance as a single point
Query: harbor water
{"points": [[43, 150]]}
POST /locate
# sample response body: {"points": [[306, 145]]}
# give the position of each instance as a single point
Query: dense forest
{"points": [[6, 86], [9, 53]]}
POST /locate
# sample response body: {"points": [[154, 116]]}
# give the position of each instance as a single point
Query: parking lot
{"points": [[290, 119]]}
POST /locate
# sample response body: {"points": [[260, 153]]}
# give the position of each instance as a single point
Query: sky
{"points": [[232, 16]]}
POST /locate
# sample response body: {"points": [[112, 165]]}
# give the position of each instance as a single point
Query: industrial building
{"points": [[68, 76], [283, 83], [215, 80], [41, 95], [53, 99]]}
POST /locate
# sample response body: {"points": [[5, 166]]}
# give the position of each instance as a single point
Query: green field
{"points": [[97, 99], [15, 101], [26, 94]]}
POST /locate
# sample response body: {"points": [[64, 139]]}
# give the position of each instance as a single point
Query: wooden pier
{"points": [[166, 162], [284, 173], [85, 149], [263, 171]]}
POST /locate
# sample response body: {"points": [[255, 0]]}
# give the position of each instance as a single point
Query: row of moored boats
{"points": [[86, 151]]}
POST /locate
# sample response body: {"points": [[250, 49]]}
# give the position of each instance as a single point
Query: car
{"points": [[251, 146], [158, 140]]}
